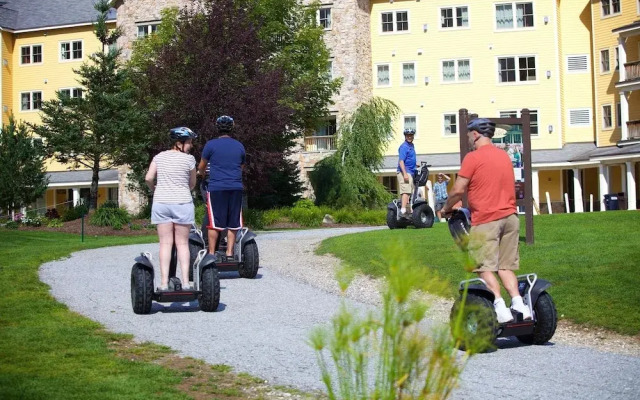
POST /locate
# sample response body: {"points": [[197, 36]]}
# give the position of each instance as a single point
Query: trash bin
{"points": [[622, 201], [611, 202]]}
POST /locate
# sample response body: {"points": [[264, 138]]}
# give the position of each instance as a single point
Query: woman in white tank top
{"points": [[171, 177]]}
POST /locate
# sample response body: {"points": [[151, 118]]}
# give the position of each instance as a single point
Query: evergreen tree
{"points": [[22, 174], [102, 129]]}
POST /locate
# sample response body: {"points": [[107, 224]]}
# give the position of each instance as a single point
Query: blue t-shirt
{"points": [[407, 153], [225, 156]]}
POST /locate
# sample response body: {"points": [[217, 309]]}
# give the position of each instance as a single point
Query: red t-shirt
{"points": [[491, 192]]}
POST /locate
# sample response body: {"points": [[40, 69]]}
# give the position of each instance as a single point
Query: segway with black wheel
{"points": [[205, 289], [422, 215], [473, 320]]}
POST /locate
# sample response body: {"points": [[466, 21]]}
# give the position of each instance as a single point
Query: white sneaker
{"points": [[518, 305], [502, 312]]}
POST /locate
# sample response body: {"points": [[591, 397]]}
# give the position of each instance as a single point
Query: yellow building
{"points": [[42, 43], [494, 59], [616, 77]]}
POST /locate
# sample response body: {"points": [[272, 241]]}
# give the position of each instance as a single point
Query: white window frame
{"points": [[611, 13], [71, 90], [582, 71], [515, 27], [517, 69], [390, 75], [31, 62], [329, 18], [150, 27], [457, 124], [518, 114], [457, 73], [608, 71], [394, 22], [415, 73], [454, 12], [330, 69], [590, 119], [70, 42], [404, 122], [602, 114], [31, 104]]}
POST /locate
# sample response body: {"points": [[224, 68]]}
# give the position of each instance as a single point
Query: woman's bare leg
{"points": [[165, 236], [182, 245]]}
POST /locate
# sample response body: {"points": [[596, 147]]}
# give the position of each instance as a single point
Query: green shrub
{"points": [[108, 216], [200, 209], [372, 217], [32, 221], [135, 227], [253, 218], [12, 225], [109, 204], [307, 216], [54, 223], [75, 212], [305, 203], [344, 216], [117, 226], [145, 212]]}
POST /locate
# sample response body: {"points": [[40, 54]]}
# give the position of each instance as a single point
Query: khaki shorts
{"points": [[403, 187], [494, 245]]}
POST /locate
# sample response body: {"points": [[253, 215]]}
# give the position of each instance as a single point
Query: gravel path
{"points": [[262, 325]]}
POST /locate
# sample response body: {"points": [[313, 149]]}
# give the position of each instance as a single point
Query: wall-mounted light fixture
{"points": [[5, 108], [390, 1], [426, 80], [46, 81], [550, 127], [546, 19], [419, 51], [5, 62], [421, 104], [425, 27], [393, 53], [548, 74]]}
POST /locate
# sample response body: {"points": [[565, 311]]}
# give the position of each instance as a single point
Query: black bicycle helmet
{"points": [[182, 134], [459, 226], [409, 131], [483, 126], [224, 123]]}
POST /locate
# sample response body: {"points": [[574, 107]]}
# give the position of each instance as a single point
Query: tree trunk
{"points": [[93, 203]]}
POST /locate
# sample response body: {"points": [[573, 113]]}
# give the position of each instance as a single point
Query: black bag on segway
{"points": [[422, 175]]}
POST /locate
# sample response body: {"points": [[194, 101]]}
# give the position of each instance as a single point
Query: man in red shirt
{"points": [[487, 175]]}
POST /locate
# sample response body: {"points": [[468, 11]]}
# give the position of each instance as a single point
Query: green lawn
{"points": [[591, 259]]}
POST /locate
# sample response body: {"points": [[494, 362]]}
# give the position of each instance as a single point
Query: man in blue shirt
{"points": [[440, 192], [226, 159], [406, 167]]}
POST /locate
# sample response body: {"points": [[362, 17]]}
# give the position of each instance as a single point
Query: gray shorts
{"points": [[440, 204], [177, 213]]}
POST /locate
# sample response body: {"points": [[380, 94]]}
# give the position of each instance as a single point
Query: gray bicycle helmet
{"points": [[224, 123], [182, 134], [409, 131], [483, 126]]}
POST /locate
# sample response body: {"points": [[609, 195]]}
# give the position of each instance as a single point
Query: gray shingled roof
{"points": [[81, 176], [31, 14], [571, 152]]}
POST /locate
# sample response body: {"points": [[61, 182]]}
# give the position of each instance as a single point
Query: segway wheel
{"points": [[250, 260], [210, 297], [423, 216], [392, 221], [477, 328], [141, 289], [546, 321]]}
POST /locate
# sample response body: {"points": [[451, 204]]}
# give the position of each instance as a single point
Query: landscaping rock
{"points": [[328, 219]]}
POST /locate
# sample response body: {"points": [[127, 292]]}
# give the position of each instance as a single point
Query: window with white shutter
{"points": [[580, 117], [578, 63]]}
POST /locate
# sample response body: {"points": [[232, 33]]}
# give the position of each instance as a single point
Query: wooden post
{"points": [[526, 159]]}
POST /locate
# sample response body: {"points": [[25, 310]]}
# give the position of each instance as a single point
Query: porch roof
{"points": [[63, 178]]}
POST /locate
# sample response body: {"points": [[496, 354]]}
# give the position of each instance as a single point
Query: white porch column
{"points": [[603, 177], [622, 76], [577, 191], [535, 186], [76, 196], [631, 184]]}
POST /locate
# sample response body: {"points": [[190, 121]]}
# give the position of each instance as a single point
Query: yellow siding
{"points": [[7, 73], [605, 90], [49, 76], [576, 88], [482, 45], [590, 184], [550, 181]]}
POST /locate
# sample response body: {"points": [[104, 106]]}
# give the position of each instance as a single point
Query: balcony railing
{"points": [[633, 127], [320, 143], [632, 70]]}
